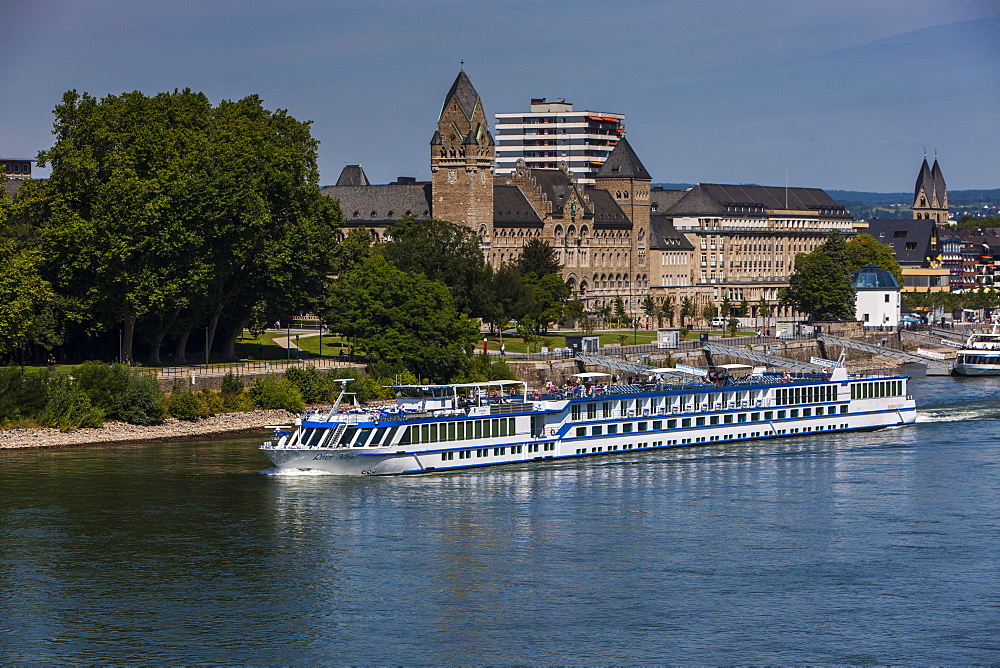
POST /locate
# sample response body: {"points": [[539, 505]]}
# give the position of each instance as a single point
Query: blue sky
{"points": [[843, 94]]}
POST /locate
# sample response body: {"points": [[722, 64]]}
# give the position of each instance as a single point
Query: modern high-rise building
{"points": [[552, 133]]}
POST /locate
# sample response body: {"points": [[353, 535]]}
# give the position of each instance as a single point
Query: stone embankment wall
{"points": [[114, 432], [536, 374]]}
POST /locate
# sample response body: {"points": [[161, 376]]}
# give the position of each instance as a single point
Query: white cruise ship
{"points": [[463, 426], [980, 357]]}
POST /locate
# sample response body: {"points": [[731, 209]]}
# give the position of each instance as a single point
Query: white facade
{"points": [[552, 133], [878, 307]]}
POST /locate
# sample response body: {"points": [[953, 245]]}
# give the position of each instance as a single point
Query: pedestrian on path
{"points": [[503, 350]]}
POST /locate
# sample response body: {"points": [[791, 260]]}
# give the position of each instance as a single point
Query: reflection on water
{"points": [[848, 548]]}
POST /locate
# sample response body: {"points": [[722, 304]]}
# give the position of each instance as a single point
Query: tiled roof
{"points": [[352, 175], [382, 202], [660, 200], [555, 185], [663, 236], [623, 163], [607, 213], [749, 199], [898, 232], [512, 209]]}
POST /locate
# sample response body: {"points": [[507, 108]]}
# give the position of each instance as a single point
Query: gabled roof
{"points": [[897, 233], [754, 200], [556, 185], [382, 203], [664, 237], [463, 91], [512, 209], [352, 175], [623, 163]]}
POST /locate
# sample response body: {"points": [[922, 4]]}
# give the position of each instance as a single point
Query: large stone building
{"points": [[615, 237]]}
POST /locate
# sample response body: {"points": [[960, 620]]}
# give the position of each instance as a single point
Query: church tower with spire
{"points": [[930, 195], [462, 154], [625, 177]]}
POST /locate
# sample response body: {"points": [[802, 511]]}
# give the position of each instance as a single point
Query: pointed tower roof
{"points": [[940, 189], [463, 91], [352, 175], [623, 163], [925, 182]]}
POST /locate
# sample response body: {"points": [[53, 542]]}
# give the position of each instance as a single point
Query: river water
{"points": [[863, 548]]}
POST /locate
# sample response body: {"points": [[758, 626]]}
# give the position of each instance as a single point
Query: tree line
{"points": [[170, 225]]}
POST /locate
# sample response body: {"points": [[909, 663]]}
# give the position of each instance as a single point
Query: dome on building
{"points": [[872, 277]]}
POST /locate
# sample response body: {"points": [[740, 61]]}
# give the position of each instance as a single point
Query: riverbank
{"points": [[121, 432]]}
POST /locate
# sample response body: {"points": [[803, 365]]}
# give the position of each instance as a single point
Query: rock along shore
{"points": [[121, 432]]}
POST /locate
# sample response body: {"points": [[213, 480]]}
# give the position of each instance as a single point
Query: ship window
{"points": [[768, 415], [575, 412], [591, 411], [479, 428], [606, 406], [612, 429], [754, 417], [793, 413], [407, 431], [727, 419], [642, 426], [627, 428], [843, 409], [581, 431], [451, 431], [363, 435], [503, 427], [671, 424], [434, 433], [742, 417], [596, 431], [806, 412], [686, 422], [781, 415], [700, 421], [819, 410], [306, 434], [657, 424], [714, 419]]}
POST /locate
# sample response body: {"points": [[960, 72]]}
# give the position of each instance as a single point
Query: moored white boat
{"points": [[980, 356], [467, 425]]}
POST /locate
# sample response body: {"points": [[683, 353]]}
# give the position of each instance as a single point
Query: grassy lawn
{"points": [[331, 344], [247, 347]]}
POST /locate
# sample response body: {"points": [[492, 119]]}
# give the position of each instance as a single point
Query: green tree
{"points": [[709, 310], [549, 294], [726, 307], [667, 309], [538, 258], [967, 222], [24, 295], [621, 315], [764, 309], [398, 317], [443, 252], [649, 306], [744, 308], [164, 212], [820, 285], [687, 309], [865, 249]]}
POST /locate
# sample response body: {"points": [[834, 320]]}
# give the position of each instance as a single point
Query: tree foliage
{"points": [[164, 213], [865, 249], [400, 317], [820, 285]]}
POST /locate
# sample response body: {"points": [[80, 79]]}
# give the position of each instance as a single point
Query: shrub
{"points": [[23, 394], [141, 401], [104, 384], [232, 384], [183, 405], [209, 403], [237, 402], [314, 386], [272, 392], [69, 407]]}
